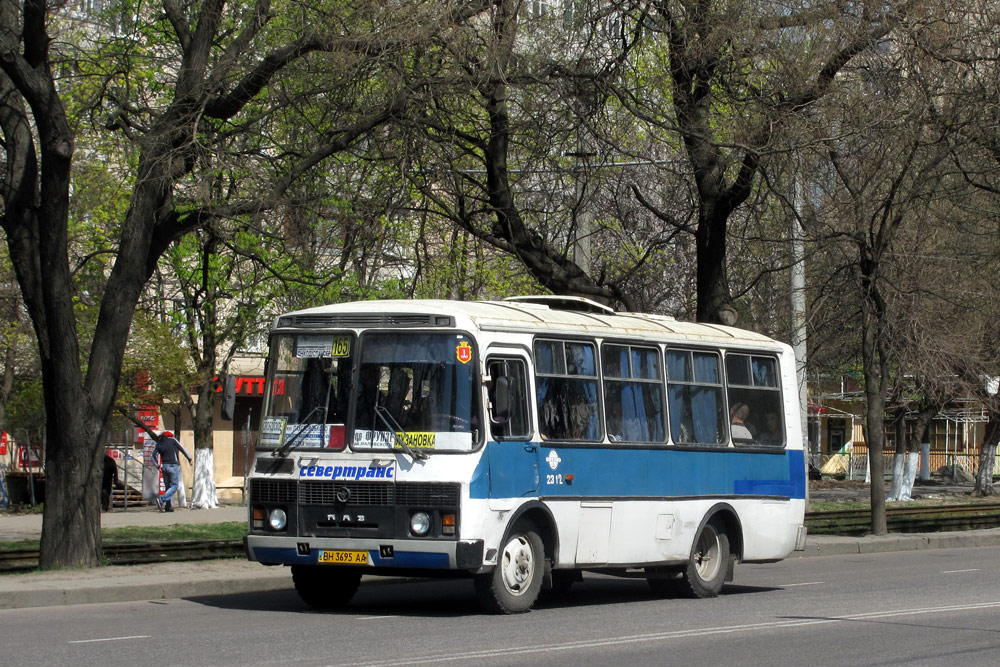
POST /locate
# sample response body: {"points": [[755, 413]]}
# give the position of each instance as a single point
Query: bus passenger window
{"points": [[633, 393], [566, 384], [754, 400], [695, 398]]}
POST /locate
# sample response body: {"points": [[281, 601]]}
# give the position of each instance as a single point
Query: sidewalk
{"points": [[223, 577]]}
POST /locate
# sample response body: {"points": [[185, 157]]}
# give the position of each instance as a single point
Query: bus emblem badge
{"points": [[464, 352], [553, 459]]}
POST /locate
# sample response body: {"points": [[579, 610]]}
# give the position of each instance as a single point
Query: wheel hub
{"points": [[517, 565]]}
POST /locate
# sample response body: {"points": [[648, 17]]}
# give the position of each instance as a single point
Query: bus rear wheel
{"points": [[325, 587], [513, 585], [706, 569]]}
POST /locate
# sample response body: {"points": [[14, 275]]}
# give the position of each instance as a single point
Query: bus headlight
{"points": [[420, 523], [277, 519]]}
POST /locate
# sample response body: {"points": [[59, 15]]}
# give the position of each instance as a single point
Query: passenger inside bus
{"points": [[772, 430], [324, 400], [737, 426], [369, 395]]}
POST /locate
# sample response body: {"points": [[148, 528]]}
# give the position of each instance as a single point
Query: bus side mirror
{"points": [[229, 398], [501, 400]]}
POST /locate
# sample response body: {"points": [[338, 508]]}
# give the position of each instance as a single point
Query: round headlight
{"points": [[420, 523], [277, 519]]}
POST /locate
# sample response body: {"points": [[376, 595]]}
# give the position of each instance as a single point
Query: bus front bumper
{"points": [[388, 554]]}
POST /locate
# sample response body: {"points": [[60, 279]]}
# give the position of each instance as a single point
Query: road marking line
{"points": [[805, 583], [791, 622], [974, 569], [107, 639]]}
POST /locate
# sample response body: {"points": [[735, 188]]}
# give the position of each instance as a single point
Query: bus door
{"points": [[513, 450]]}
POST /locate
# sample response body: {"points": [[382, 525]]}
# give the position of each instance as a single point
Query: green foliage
{"points": [[26, 407], [156, 366]]}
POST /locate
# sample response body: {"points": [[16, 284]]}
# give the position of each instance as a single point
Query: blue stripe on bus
{"points": [[421, 559], [416, 559], [507, 470]]}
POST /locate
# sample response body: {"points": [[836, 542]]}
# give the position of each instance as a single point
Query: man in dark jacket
{"points": [[108, 481], [165, 456]]}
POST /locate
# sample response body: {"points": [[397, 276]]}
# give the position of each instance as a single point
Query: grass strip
{"points": [[227, 530]]}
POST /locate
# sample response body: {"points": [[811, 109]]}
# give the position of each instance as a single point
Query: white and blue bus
{"points": [[520, 443]]}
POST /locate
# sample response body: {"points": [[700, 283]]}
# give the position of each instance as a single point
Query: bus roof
{"points": [[556, 315]]}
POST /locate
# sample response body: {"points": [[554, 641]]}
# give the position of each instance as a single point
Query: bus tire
{"points": [[325, 587], [513, 585], [706, 569]]}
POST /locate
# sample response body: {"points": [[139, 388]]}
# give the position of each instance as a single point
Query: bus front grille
{"points": [[372, 494], [354, 493], [272, 490]]}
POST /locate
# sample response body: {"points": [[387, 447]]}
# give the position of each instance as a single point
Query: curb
{"points": [[871, 544], [47, 597], [39, 591]]}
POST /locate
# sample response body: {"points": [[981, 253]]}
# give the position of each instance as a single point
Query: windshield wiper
{"points": [[395, 429], [283, 450]]}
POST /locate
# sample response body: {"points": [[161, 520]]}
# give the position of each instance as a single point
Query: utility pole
{"points": [[798, 295]]}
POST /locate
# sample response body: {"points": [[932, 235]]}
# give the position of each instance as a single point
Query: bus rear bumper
{"points": [[388, 554]]}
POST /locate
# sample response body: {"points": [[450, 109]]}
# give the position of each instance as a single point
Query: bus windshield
{"points": [[398, 391]]}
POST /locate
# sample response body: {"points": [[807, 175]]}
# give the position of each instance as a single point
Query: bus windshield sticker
{"points": [[309, 347], [464, 352], [341, 346], [272, 431], [422, 441], [386, 439], [313, 435]]}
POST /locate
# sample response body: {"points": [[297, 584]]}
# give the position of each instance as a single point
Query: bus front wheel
{"points": [[325, 587], [706, 569], [513, 585]]}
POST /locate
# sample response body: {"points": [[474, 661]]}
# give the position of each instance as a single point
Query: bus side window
{"points": [[694, 394], [567, 390], [755, 399], [633, 393], [509, 387]]}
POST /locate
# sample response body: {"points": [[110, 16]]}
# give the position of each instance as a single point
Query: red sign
{"points": [[3, 443], [246, 385], [29, 457], [150, 416]]}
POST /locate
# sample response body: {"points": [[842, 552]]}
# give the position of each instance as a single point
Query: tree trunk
{"points": [[204, 495], [896, 489], [874, 418], [713, 281], [74, 463], [873, 365], [987, 455]]}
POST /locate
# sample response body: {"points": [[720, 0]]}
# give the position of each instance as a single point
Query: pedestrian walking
{"points": [[109, 480], [166, 458]]}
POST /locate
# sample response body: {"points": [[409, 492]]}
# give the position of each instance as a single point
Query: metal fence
{"points": [[853, 464]]}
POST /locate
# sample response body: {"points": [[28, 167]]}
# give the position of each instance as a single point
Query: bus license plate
{"points": [[344, 557]]}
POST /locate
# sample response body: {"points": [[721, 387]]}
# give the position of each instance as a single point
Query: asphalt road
{"points": [[936, 607]]}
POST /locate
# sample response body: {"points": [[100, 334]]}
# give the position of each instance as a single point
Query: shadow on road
{"points": [[450, 598]]}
